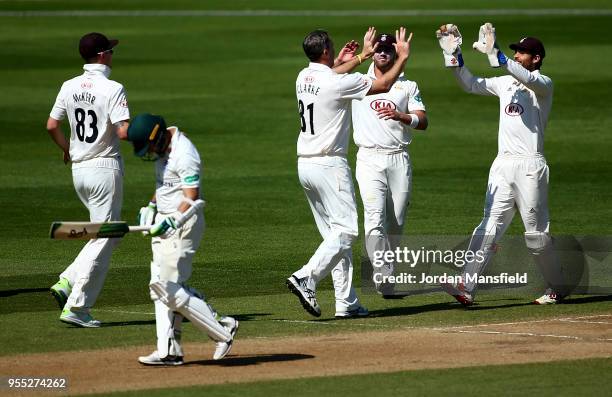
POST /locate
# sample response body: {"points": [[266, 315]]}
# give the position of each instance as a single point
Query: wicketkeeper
{"points": [[177, 219], [519, 175]]}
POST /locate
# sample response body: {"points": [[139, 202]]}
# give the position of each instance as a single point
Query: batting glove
{"points": [[146, 215], [164, 229], [450, 41], [487, 45]]}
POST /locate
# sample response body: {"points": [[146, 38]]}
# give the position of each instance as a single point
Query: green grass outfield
{"points": [[229, 83]]}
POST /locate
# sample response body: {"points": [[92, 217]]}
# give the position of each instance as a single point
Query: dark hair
{"points": [[315, 43], [93, 59]]}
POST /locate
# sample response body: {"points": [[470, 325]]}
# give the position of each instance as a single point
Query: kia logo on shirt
{"points": [[309, 79], [514, 109], [381, 104], [86, 84]]}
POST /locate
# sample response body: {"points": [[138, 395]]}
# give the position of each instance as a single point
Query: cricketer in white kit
{"points": [[518, 177], [177, 219], [97, 111], [382, 129], [324, 96]]}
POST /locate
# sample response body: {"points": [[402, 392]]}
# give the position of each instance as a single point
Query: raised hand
{"points": [[487, 44], [450, 41], [369, 44], [402, 44], [347, 52]]}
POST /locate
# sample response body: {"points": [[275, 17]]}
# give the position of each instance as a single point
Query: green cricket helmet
{"points": [[146, 129]]}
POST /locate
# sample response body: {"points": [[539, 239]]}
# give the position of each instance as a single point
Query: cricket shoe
{"points": [[154, 359], [359, 311], [80, 319], [61, 291], [306, 296], [223, 348], [549, 298], [457, 290]]}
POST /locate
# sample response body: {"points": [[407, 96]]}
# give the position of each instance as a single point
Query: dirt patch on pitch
{"points": [[341, 354]]}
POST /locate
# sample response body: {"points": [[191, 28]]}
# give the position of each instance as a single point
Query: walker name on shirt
{"points": [[84, 97]]}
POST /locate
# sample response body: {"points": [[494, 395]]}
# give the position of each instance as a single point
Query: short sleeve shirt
{"points": [[181, 168], [324, 99], [92, 103]]}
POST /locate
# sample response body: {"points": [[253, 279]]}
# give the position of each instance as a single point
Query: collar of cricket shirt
{"points": [[318, 66], [97, 67]]}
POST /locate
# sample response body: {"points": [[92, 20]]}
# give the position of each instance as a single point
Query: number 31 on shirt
{"points": [[310, 109]]}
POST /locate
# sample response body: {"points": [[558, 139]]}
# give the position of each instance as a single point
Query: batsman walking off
{"points": [[324, 92], [98, 114], [519, 175], [177, 226]]}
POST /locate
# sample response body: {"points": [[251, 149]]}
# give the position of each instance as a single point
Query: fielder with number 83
{"points": [[98, 114], [175, 213]]}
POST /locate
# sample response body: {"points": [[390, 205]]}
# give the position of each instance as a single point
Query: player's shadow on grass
{"points": [[239, 317], [568, 301], [26, 300], [127, 323], [586, 299], [254, 359], [408, 310], [249, 316], [483, 306], [11, 292]]}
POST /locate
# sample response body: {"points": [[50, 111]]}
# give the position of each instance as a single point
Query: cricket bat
{"points": [[91, 230]]}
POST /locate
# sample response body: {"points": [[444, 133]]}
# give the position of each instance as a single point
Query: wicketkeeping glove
{"points": [[450, 41], [164, 228], [487, 45]]}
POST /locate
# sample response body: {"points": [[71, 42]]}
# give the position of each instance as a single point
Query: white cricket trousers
{"points": [[385, 185], [328, 186], [99, 184], [516, 181], [172, 261]]}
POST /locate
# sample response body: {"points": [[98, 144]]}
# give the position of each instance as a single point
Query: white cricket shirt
{"points": [[176, 170], [92, 103], [324, 98], [525, 100], [372, 132]]}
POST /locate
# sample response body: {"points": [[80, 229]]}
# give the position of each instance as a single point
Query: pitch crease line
{"points": [[586, 322], [519, 334]]}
